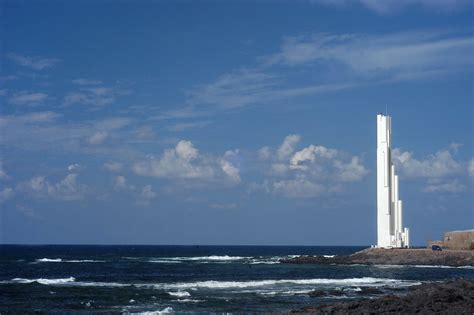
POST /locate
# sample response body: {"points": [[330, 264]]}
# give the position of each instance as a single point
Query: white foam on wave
{"points": [[329, 256], [57, 260], [167, 310], [211, 284], [162, 261], [49, 260], [209, 258], [44, 281], [441, 266], [189, 301], [180, 294]]}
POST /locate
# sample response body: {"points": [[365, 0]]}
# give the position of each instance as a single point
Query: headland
{"points": [[395, 256]]}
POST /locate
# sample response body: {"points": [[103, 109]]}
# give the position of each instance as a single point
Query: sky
{"points": [[231, 122]]}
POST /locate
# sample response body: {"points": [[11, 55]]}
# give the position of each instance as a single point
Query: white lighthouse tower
{"points": [[390, 231]]}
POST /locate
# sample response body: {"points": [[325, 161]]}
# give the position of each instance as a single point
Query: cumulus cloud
{"points": [[470, 167], [113, 166], [309, 172], [298, 188], [66, 189], [26, 98], [73, 167], [6, 194], [35, 63], [3, 173], [440, 164], [450, 186], [98, 137], [146, 195], [288, 146], [120, 182], [309, 154], [184, 161], [441, 171], [264, 153], [229, 164]]}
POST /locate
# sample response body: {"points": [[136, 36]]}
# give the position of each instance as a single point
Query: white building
{"points": [[390, 231]]}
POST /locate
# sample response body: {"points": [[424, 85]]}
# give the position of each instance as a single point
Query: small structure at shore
{"points": [[460, 240]]}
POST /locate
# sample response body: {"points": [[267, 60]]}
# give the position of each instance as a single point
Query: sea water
{"points": [[176, 279]]}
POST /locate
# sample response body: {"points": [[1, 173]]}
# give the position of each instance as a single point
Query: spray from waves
{"points": [[212, 284], [180, 294], [59, 260], [44, 281], [167, 310]]}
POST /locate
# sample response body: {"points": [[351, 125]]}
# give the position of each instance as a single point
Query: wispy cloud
{"points": [[188, 125], [86, 82], [97, 96], [341, 61], [27, 98], [386, 7], [35, 63]]}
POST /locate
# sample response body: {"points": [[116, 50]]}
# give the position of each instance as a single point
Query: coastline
{"points": [[448, 297], [396, 256]]}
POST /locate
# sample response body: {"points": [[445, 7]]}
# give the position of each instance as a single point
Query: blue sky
{"points": [[207, 122]]}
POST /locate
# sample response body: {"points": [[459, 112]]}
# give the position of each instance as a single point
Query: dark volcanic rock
{"points": [[451, 297], [380, 256], [369, 290]]}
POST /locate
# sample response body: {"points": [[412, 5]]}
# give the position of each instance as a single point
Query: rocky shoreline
{"points": [[450, 297], [399, 256]]}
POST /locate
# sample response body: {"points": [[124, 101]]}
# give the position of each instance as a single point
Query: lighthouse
{"points": [[390, 230]]}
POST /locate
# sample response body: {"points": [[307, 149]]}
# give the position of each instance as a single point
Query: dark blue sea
{"points": [[193, 279]]}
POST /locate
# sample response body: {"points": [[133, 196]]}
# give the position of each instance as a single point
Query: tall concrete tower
{"points": [[390, 231]]}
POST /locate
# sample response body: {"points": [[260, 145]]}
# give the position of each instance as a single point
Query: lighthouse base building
{"points": [[390, 230]]}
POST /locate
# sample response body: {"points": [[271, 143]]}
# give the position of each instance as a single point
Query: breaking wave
{"points": [[57, 260], [180, 294]]}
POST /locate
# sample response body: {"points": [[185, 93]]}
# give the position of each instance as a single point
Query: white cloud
{"points": [[66, 189], [386, 7], [147, 195], [288, 146], [73, 167], [470, 167], [264, 153], [3, 173], [351, 172], [310, 172], [98, 137], [223, 205], [94, 96], [120, 182], [310, 153], [86, 82], [184, 161], [229, 165], [298, 188], [188, 125], [35, 63], [6, 194], [26, 98], [113, 166], [440, 164], [451, 186]]}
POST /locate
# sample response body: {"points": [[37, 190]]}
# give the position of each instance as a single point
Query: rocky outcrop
{"points": [[380, 256], [451, 297]]}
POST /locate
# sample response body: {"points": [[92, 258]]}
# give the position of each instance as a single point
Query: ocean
{"points": [[193, 279]]}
